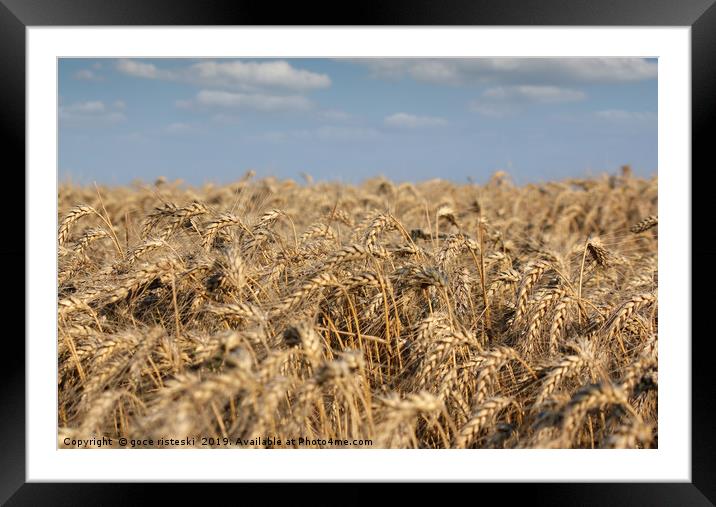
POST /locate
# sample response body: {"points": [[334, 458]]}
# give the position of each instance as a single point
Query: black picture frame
{"points": [[16, 15]]}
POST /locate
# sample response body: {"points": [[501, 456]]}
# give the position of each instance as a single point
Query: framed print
{"points": [[421, 245]]}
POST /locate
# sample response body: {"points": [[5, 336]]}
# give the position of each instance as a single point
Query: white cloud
{"points": [[533, 94], [405, 120], [142, 69], [622, 116], [91, 112], [232, 75], [87, 75], [115, 117], [178, 128], [501, 101], [120, 104], [255, 75], [461, 71], [255, 101], [90, 107]]}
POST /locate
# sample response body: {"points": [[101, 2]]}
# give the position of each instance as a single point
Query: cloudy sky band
{"points": [[454, 102]]}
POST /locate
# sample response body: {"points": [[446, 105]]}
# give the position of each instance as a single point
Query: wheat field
{"points": [[268, 313]]}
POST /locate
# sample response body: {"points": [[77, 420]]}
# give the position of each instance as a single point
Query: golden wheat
{"points": [[425, 315]]}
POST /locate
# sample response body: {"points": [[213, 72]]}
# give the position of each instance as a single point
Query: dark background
{"points": [[15, 15]]}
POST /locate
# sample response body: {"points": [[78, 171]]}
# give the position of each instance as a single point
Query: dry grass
{"points": [[424, 315]]}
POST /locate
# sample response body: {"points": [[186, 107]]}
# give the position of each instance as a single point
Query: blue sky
{"points": [[205, 120]]}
